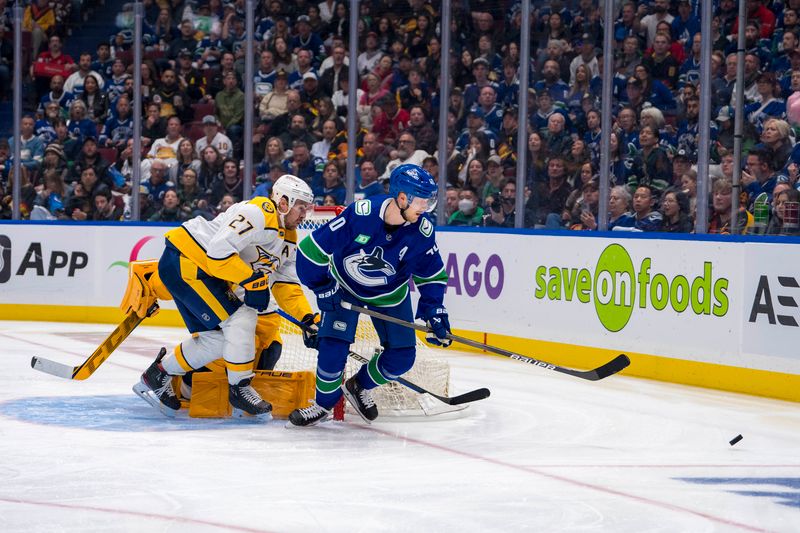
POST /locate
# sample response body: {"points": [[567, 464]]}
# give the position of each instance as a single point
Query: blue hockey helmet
{"points": [[416, 182]]}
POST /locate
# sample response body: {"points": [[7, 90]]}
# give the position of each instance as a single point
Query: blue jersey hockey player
{"points": [[366, 256]]}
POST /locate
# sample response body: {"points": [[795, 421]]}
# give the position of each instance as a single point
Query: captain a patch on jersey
{"points": [[370, 270]]}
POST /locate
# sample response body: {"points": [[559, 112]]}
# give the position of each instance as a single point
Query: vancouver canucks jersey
{"points": [[372, 262]]}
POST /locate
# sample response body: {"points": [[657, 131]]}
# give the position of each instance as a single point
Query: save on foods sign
{"points": [[674, 298], [617, 287]]}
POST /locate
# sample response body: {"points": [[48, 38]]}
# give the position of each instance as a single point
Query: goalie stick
{"points": [[99, 356], [603, 371], [467, 397]]}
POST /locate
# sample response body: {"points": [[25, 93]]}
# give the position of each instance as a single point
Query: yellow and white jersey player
{"points": [[250, 248]]}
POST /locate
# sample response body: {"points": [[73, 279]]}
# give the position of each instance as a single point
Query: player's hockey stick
{"points": [[99, 356], [603, 371], [467, 397]]}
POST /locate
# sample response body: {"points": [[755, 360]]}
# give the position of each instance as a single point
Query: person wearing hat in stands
{"points": [[507, 137], [682, 163], [371, 55], [726, 129], [190, 80], [769, 105], [480, 69], [475, 123], [310, 94], [634, 92], [307, 40], [90, 157], [55, 160], [494, 176], [213, 137], [585, 57]]}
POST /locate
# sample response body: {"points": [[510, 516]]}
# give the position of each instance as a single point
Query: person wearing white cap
{"points": [[309, 92], [213, 137]]}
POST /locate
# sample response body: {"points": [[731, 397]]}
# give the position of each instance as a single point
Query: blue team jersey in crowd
{"points": [[369, 261]]}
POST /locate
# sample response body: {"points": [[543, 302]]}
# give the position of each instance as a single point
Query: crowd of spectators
{"points": [[77, 131]]}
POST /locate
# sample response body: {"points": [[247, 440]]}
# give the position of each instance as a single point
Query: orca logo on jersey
{"points": [[363, 268]]}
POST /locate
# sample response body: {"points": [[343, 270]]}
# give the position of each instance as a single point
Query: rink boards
{"points": [[715, 312]]}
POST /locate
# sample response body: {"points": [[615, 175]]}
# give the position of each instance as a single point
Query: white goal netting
{"points": [[393, 399]]}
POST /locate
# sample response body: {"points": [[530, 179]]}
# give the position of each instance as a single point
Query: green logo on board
{"points": [[616, 287]]}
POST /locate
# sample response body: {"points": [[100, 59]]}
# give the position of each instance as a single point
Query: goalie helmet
{"points": [[416, 182], [293, 188]]}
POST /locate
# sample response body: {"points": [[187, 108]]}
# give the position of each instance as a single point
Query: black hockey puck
{"points": [[736, 439]]}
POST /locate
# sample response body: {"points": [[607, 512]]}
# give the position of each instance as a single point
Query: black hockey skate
{"points": [[246, 401], [155, 387], [309, 416], [361, 399]]}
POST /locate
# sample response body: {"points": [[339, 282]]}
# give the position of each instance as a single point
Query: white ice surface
{"points": [[544, 453]]}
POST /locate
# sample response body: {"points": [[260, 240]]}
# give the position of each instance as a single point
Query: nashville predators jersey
{"points": [[246, 238]]}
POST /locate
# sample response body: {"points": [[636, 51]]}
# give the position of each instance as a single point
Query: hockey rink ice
{"points": [[546, 452]]}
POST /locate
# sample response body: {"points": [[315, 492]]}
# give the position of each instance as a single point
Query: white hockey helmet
{"points": [[293, 188]]}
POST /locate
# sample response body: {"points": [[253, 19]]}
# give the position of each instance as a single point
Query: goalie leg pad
{"points": [[386, 366]]}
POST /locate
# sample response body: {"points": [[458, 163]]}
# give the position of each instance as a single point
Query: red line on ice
{"points": [[136, 513], [563, 479]]}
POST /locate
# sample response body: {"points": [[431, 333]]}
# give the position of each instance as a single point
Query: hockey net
{"points": [[392, 399]]}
